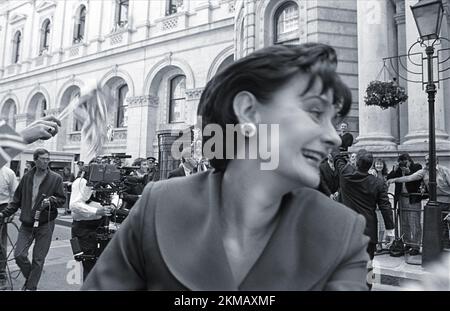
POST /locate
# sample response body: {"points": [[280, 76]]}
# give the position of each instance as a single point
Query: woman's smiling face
{"points": [[307, 134]]}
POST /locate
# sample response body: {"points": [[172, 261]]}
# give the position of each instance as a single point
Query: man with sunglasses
{"points": [[39, 194]]}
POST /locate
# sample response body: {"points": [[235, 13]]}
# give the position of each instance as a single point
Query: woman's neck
{"points": [[251, 197]]}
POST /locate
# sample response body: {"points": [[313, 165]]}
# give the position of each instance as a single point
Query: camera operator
{"points": [[87, 215]]}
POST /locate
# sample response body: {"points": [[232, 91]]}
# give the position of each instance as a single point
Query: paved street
{"points": [[60, 272]]}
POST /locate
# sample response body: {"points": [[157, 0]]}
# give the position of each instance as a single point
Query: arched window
{"points": [[45, 36], [9, 113], [16, 47], [80, 23], [122, 12], [122, 117], [41, 106], [77, 124], [286, 24], [177, 98]]}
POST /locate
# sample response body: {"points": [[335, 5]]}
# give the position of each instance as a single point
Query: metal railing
{"points": [[409, 222]]}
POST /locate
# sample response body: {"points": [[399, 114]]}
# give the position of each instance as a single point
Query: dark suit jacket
{"points": [[329, 177], [411, 187], [362, 192], [178, 172], [172, 241]]}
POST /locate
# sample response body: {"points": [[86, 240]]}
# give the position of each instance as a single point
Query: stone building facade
{"points": [[155, 57]]}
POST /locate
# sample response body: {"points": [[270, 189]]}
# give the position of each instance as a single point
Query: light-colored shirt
{"points": [[442, 181], [37, 181], [80, 194], [8, 184]]}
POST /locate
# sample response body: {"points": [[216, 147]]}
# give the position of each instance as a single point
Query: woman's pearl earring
{"points": [[248, 129]]}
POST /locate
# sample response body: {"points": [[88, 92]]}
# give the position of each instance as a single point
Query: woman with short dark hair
{"points": [[254, 222]]}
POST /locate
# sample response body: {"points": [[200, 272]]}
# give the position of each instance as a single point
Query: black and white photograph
{"points": [[224, 146]]}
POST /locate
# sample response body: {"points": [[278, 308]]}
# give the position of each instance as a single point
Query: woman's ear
{"points": [[245, 108]]}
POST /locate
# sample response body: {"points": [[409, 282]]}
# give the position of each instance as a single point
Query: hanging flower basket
{"points": [[384, 94]]}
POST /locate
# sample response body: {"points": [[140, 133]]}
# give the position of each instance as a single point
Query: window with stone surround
{"points": [[45, 36], [287, 24], [121, 18], [122, 116], [177, 98], [16, 47], [80, 24], [173, 6], [36, 108]]}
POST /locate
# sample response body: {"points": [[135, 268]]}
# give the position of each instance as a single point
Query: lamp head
{"points": [[428, 16]]}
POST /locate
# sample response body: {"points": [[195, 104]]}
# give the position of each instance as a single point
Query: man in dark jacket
{"points": [[39, 194], [329, 178], [153, 170], [363, 192]]}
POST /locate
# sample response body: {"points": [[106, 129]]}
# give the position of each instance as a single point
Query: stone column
{"points": [[94, 32], [141, 132], [375, 22], [402, 110], [417, 137], [4, 35], [192, 99], [249, 26], [31, 45]]}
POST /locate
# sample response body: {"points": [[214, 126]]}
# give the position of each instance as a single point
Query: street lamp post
{"points": [[428, 17]]}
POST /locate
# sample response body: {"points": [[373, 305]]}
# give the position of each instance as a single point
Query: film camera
{"points": [[111, 182]]}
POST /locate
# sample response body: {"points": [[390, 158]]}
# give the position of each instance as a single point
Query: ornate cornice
{"points": [[399, 18], [53, 111], [194, 93], [145, 100]]}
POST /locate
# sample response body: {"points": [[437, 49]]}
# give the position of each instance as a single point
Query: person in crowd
{"points": [[442, 188], [87, 215], [8, 185], [135, 183], [245, 226], [68, 179], [187, 167], [329, 178], [346, 136], [408, 199], [153, 169], [13, 143], [363, 193], [28, 167], [379, 170], [143, 167], [80, 168], [39, 195]]}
